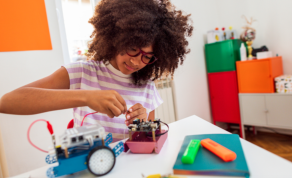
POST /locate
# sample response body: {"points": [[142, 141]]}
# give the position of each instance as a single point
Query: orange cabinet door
{"points": [[257, 76]]}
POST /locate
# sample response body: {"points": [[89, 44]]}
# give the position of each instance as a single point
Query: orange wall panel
{"points": [[24, 26]]}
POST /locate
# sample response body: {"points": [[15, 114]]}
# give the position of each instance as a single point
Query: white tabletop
{"points": [[261, 163]]}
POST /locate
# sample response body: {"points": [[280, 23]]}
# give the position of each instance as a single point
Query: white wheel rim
{"points": [[101, 161]]}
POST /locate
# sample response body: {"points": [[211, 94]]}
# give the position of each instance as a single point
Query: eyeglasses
{"points": [[146, 58]]}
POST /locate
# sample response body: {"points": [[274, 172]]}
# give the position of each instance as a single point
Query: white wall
{"points": [[18, 69], [273, 30], [190, 80], [274, 27]]}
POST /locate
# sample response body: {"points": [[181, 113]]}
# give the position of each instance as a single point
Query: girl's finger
{"points": [[115, 110], [141, 117], [119, 106], [122, 101], [109, 113], [135, 107], [135, 113]]}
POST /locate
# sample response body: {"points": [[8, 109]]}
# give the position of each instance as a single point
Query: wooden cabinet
{"points": [[266, 110]]}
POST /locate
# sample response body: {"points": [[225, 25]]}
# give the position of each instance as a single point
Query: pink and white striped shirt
{"points": [[94, 75]]}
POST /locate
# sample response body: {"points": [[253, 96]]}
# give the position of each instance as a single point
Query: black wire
{"points": [[160, 133], [165, 131]]}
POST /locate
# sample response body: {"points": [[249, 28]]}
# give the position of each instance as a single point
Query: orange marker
{"points": [[219, 150]]}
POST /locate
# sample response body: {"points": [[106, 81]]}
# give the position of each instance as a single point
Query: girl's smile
{"points": [[130, 68]]}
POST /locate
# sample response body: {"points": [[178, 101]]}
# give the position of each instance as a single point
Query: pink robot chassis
{"points": [[145, 137]]}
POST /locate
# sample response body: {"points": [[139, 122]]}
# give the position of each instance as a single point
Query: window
{"points": [[76, 14]]}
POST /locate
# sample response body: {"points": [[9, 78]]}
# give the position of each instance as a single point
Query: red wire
{"points": [[49, 128], [85, 116]]}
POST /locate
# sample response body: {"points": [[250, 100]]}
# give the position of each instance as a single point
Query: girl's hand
{"points": [[136, 111], [108, 102]]}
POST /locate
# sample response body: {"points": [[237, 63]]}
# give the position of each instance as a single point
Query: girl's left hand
{"points": [[136, 111]]}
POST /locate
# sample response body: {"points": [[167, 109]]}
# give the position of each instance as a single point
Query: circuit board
{"points": [[144, 126]]}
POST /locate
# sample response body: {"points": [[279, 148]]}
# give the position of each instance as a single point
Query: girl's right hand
{"points": [[108, 102]]}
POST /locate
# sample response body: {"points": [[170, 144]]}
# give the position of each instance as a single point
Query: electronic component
{"points": [[80, 135], [136, 121], [145, 136], [147, 126], [84, 148], [81, 148], [219, 150], [191, 152]]}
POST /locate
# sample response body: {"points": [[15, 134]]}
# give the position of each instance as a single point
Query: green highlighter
{"points": [[191, 152]]}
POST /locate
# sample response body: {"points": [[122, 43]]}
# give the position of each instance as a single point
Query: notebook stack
{"points": [[207, 163]]}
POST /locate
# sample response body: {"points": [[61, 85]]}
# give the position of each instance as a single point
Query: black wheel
{"points": [[101, 160]]}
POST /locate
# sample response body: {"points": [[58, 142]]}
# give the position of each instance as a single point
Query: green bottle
{"points": [[191, 152]]}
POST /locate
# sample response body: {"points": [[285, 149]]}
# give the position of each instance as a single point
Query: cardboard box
{"points": [[214, 36], [283, 84], [264, 54]]}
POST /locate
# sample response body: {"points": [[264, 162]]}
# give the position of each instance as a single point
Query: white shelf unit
{"points": [[266, 110]]}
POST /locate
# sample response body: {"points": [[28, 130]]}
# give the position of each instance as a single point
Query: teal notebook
{"points": [[207, 163]]}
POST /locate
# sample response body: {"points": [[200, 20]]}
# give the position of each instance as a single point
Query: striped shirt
{"points": [[94, 75]]}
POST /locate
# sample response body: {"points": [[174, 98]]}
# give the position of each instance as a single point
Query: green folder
{"points": [[207, 163]]}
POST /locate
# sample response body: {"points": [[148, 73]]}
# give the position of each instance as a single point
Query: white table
{"points": [[261, 163]]}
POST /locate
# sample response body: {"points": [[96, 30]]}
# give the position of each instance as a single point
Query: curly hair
{"points": [[120, 24]]}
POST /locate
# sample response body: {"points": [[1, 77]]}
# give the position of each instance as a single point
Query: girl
{"points": [[133, 43]]}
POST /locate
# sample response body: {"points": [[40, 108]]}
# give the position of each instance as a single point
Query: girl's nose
{"points": [[136, 60]]}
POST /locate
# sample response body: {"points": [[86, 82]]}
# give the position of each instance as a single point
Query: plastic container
{"points": [[242, 52]]}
